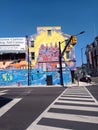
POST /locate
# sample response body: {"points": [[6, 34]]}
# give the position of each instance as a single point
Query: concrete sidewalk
{"points": [[81, 84], [68, 85]]}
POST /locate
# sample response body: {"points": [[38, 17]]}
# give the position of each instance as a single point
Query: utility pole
{"points": [[28, 60], [82, 68], [82, 56]]}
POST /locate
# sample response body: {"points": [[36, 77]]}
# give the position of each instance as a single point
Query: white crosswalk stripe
{"points": [[9, 105], [86, 99], [42, 127], [3, 92], [77, 102], [75, 105], [90, 119]]}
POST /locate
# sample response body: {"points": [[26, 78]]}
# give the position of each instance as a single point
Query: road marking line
{"points": [[91, 96], [42, 114], [42, 127], [70, 93], [72, 117], [75, 91], [77, 102], [86, 99], [3, 92], [76, 96], [76, 108], [8, 106], [69, 117]]}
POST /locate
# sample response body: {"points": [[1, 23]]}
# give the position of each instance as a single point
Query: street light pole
{"points": [[82, 61], [82, 56]]}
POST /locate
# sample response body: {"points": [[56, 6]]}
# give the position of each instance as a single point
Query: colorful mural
{"points": [[45, 62], [37, 77], [71, 62], [48, 57]]}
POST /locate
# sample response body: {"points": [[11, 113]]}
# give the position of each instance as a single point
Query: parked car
{"points": [[86, 78]]}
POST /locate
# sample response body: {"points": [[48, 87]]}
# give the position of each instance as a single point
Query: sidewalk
{"points": [[81, 84], [68, 85]]}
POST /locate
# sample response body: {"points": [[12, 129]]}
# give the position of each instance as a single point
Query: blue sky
{"points": [[21, 17]]}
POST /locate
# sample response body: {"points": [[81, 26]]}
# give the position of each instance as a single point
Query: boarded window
{"points": [[32, 55]]}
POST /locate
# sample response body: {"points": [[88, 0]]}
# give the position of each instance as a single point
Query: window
{"points": [[93, 44], [49, 32], [67, 55], [32, 43], [96, 39], [32, 55], [96, 43], [12, 56]]}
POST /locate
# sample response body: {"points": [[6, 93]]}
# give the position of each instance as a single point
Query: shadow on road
{"points": [[4, 101]]}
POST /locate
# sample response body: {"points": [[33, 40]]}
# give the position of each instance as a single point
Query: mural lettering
{"points": [[7, 77]]}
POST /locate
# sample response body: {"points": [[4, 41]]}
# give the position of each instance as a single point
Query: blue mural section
{"points": [[13, 77], [37, 77]]}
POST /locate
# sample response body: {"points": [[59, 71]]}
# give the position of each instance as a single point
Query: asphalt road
{"points": [[93, 90], [53, 108], [33, 102]]}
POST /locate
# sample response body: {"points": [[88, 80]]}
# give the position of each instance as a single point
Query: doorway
{"points": [[49, 80]]}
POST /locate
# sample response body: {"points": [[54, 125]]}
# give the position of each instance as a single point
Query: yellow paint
{"points": [[4, 77], [7, 77], [44, 38]]}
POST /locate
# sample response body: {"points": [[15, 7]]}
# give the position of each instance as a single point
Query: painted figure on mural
{"points": [[49, 54]]}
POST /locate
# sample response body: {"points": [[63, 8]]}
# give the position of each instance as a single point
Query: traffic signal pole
{"points": [[62, 53], [60, 60], [70, 41], [60, 66], [66, 46]]}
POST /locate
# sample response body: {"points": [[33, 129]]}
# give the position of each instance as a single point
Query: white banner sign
{"points": [[11, 44]]}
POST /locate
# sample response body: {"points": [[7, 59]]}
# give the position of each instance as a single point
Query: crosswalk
{"points": [[9, 103], [3, 92], [75, 108]]}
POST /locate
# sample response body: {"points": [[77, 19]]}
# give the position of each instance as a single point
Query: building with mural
{"points": [[34, 60]]}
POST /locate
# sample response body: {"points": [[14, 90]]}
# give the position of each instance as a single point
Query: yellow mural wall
{"points": [[43, 37]]}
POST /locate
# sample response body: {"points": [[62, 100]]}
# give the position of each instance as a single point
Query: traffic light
{"points": [[73, 40]]}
